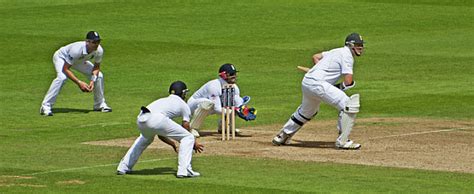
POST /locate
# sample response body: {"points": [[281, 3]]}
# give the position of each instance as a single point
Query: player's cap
{"points": [[178, 88], [354, 38], [228, 69], [93, 35]]}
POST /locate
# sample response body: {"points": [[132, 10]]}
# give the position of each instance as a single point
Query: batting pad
{"points": [[204, 108]]}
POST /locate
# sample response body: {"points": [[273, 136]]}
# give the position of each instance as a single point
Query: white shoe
{"points": [[282, 138], [349, 145], [190, 174], [103, 108], [195, 133], [46, 111], [121, 172]]}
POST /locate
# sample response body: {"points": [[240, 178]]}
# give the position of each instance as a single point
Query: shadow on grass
{"points": [[313, 144], [70, 110], [154, 171]]}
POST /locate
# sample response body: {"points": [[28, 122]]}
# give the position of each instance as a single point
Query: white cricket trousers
{"points": [[58, 83], [151, 124], [315, 91]]}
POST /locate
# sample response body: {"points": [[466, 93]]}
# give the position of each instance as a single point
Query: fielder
{"points": [[78, 55], [207, 100], [319, 85], [156, 119]]}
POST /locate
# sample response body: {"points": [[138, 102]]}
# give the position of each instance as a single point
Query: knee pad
{"points": [[204, 108], [353, 104]]}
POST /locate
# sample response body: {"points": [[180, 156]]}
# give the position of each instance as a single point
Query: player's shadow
{"points": [[70, 110], [154, 171], [312, 144]]}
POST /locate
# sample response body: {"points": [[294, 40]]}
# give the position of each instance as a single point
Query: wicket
{"points": [[228, 112]]}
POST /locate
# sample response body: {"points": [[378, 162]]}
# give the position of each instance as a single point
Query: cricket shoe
{"points": [[349, 145], [282, 138], [46, 111], [119, 172], [190, 174], [103, 108]]}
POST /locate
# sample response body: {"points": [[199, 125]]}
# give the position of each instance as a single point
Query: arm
{"points": [[348, 83], [197, 146], [317, 57], [95, 73], [169, 142], [82, 85]]}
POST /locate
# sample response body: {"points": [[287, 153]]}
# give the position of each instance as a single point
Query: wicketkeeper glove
{"points": [[246, 113]]}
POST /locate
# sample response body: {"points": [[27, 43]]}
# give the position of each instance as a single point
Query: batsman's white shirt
{"points": [[332, 66], [76, 53], [212, 91], [159, 122]]}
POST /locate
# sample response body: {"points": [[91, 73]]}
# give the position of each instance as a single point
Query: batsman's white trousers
{"points": [[151, 124], [57, 84], [315, 91]]}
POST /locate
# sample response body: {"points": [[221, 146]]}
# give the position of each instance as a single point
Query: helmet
{"points": [[93, 36], [354, 38], [178, 88], [227, 69]]}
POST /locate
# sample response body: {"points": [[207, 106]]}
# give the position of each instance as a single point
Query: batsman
{"points": [[319, 85]]}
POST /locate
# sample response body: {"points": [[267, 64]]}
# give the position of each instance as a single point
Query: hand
{"points": [[198, 148], [84, 87], [246, 113], [91, 85], [175, 148]]}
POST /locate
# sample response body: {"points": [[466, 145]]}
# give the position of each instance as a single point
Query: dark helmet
{"points": [[93, 36], [227, 69], [178, 88], [354, 38]]}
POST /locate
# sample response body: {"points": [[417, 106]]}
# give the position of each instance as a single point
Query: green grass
{"points": [[418, 63]]}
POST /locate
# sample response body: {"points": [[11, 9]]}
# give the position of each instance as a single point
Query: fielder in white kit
{"points": [[319, 85], [156, 119], [207, 100], [78, 55]]}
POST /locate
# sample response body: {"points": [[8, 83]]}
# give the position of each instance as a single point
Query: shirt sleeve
{"points": [[238, 101], [215, 97], [99, 54], [72, 54], [347, 65], [186, 112]]}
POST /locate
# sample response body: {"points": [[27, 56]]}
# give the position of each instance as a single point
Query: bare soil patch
{"points": [[443, 145]]}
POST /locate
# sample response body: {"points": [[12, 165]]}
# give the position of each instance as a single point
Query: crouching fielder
{"points": [[156, 119], [319, 84]]}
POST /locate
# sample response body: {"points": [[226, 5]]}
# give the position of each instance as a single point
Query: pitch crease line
{"points": [[89, 167], [424, 132]]}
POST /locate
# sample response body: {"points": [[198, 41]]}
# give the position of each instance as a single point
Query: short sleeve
{"points": [[347, 65]]}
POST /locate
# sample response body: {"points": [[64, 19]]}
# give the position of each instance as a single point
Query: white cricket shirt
{"points": [[332, 66], [76, 53], [171, 106]]}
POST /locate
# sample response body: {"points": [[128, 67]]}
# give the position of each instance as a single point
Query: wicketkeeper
{"points": [[207, 100], [319, 85]]}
